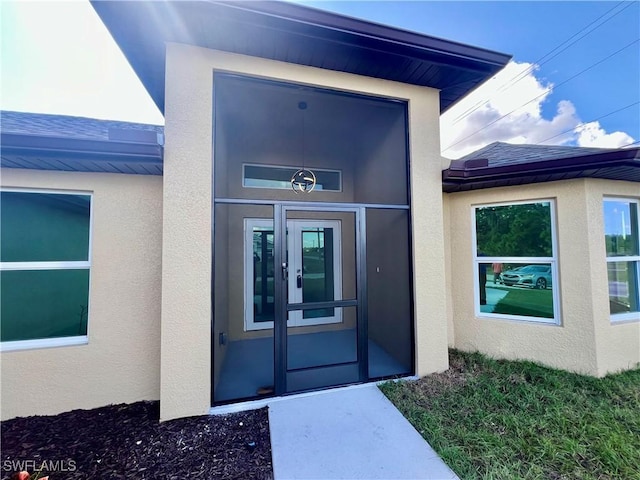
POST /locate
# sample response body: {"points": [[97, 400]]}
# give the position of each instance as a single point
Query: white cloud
{"points": [[475, 122], [593, 135]]}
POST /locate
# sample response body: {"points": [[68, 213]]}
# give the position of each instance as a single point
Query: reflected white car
{"points": [[533, 276]]}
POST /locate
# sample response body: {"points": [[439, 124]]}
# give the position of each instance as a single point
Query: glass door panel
{"points": [[315, 266], [259, 274]]}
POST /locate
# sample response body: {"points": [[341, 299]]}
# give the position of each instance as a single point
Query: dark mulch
{"points": [[128, 441]]}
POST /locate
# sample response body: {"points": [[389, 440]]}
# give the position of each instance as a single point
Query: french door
{"points": [[314, 265]]}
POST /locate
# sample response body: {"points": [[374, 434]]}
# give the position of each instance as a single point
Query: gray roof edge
{"points": [[30, 144], [475, 174]]}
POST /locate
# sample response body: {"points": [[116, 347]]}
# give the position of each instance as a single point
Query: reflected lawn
{"points": [[526, 302]]}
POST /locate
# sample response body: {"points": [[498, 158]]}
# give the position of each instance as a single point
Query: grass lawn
{"points": [[495, 419]]}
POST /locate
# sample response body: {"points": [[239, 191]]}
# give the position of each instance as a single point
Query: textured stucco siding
{"points": [[448, 273], [427, 219], [585, 341], [121, 362], [570, 345], [617, 344], [187, 256]]}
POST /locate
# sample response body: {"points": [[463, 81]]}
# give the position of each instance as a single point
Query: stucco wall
{"points": [[448, 273], [121, 362], [187, 260], [584, 341], [617, 344]]}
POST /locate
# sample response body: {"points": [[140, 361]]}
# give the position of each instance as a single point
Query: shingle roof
{"points": [[65, 126], [500, 153], [503, 164], [61, 142]]}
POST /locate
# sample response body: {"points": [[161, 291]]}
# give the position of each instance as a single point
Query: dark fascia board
{"points": [[476, 173], [43, 146], [441, 51], [143, 42]]}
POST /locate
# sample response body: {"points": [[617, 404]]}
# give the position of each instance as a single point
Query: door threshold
{"points": [[265, 402]]}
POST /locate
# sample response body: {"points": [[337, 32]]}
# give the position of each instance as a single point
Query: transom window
{"points": [[271, 176], [45, 261], [515, 263], [621, 233]]}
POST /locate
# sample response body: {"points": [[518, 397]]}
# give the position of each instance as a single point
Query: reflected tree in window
{"points": [[522, 230]]}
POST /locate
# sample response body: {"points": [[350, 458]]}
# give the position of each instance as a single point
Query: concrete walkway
{"points": [[349, 433]]}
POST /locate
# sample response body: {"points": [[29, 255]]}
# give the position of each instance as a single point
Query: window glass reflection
{"points": [[515, 264], [516, 289], [521, 230], [623, 287], [39, 304], [41, 227], [621, 228]]}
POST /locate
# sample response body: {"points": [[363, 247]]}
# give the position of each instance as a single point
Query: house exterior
{"points": [[582, 204], [291, 228]]}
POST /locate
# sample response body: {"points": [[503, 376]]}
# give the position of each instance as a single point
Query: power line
{"points": [[543, 93], [584, 123], [629, 144], [539, 62]]}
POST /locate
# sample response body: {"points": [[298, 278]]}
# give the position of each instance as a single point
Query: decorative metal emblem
{"points": [[303, 181]]}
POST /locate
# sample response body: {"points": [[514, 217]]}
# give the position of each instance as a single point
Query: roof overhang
{"points": [[80, 155], [296, 34], [623, 164]]}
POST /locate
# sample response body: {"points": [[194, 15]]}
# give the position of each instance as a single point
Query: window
{"points": [[269, 176], [44, 264], [515, 264], [621, 234]]}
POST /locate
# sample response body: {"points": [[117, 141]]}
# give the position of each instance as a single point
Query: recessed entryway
{"points": [[312, 287]]}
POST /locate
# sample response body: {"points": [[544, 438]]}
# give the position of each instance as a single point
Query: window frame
{"points": [[553, 261], [289, 167], [629, 316], [17, 345]]}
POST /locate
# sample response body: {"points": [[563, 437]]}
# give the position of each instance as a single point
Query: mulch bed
{"points": [[128, 441]]}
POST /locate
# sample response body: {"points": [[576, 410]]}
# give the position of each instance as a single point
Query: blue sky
{"points": [[59, 58]]}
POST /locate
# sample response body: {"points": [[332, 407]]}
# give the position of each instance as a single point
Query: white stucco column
{"points": [[428, 234], [185, 368]]}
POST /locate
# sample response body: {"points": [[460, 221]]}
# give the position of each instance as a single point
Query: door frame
{"points": [[282, 308], [294, 226]]}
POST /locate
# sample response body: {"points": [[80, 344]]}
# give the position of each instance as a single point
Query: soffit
{"points": [[295, 34]]}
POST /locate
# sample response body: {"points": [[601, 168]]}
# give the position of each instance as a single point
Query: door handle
{"points": [[285, 271], [299, 281]]}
